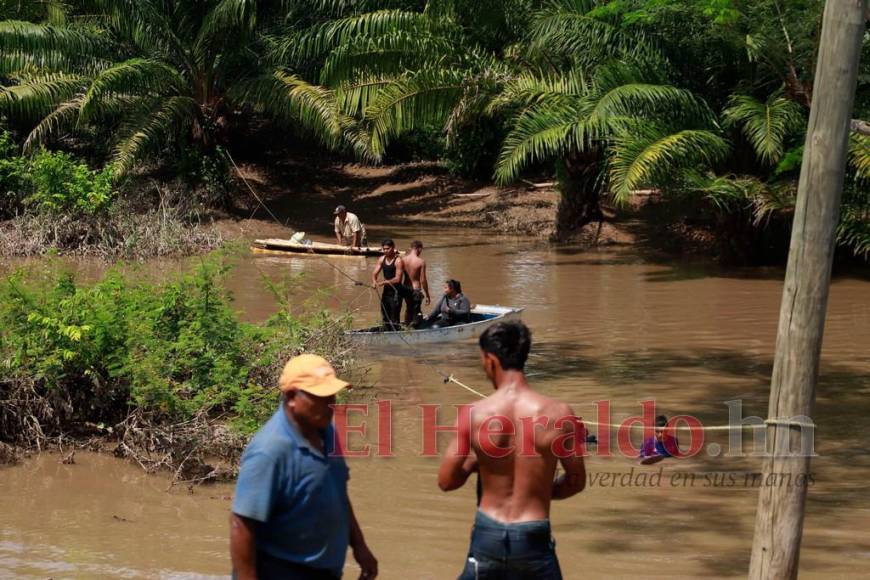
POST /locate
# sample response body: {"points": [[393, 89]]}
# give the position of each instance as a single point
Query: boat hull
{"points": [[279, 246], [436, 335]]}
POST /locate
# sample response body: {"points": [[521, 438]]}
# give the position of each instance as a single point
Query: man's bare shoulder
{"points": [[535, 403]]}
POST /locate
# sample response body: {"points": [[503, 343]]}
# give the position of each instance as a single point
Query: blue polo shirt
{"points": [[296, 495]]}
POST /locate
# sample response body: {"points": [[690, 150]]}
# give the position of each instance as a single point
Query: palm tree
{"points": [[159, 72], [618, 131]]}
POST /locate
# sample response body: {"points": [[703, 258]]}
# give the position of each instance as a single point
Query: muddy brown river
{"points": [[607, 327]]}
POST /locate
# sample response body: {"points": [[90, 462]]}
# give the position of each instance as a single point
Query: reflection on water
{"points": [[606, 327]]}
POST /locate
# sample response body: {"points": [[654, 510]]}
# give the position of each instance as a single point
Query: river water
{"points": [[607, 327]]}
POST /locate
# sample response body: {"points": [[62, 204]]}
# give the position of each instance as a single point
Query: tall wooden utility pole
{"points": [[780, 516]]}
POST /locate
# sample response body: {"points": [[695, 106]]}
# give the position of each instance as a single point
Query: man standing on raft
{"points": [[517, 436]]}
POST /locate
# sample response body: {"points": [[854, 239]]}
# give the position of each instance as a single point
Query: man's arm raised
{"points": [[573, 480]]}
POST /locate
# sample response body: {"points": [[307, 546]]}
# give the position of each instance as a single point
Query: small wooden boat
{"points": [[482, 316], [279, 246]]}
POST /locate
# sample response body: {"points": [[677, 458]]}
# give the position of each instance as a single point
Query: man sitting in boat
{"points": [[349, 231], [453, 308]]}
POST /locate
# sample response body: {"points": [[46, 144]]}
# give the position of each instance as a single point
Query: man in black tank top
{"points": [[390, 264]]}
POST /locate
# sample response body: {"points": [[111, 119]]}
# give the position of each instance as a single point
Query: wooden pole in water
{"points": [[780, 515]]}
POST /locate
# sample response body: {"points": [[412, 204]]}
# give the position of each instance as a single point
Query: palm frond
{"points": [[530, 88], [148, 26], [290, 98], [169, 118], [542, 132], [859, 155], [725, 192], [135, 76], [357, 95], [730, 193], [392, 53], [569, 29], [48, 48], [227, 18], [650, 157], [64, 116], [854, 227], [40, 94], [473, 105], [617, 90], [766, 125], [421, 99], [324, 38]]}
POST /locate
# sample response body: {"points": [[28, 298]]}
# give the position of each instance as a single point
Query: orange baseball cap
{"points": [[312, 374]]}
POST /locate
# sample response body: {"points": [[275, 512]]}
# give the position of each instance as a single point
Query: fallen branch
{"points": [[539, 185]]}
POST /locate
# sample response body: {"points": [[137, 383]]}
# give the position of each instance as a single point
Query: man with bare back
{"points": [[415, 285], [515, 438]]}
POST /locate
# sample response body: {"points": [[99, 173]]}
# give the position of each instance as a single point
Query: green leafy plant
{"points": [[13, 176], [61, 184], [175, 349]]}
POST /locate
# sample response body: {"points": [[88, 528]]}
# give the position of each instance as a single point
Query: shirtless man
{"points": [[392, 267], [416, 284], [517, 436]]}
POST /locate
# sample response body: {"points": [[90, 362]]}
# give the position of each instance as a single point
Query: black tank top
{"points": [[389, 271]]}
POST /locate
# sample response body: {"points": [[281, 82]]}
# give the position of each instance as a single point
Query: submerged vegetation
{"points": [[703, 101], [166, 373]]}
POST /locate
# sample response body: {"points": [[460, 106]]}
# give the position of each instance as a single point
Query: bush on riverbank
{"points": [[54, 203], [167, 372]]}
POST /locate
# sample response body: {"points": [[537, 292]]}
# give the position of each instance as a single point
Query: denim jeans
{"points": [[511, 551]]}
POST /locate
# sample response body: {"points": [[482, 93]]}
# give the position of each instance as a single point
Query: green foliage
{"points": [[767, 125], [650, 156], [473, 150], [853, 230], [13, 175], [163, 74], [174, 349], [61, 184], [51, 183]]}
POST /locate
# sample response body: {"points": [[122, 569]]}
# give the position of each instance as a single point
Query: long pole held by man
{"points": [[780, 515]]}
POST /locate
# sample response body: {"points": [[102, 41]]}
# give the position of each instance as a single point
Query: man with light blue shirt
{"points": [[291, 516]]}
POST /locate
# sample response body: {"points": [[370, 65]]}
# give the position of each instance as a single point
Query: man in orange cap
{"points": [[291, 516]]}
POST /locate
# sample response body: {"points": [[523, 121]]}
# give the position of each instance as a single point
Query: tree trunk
{"points": [[780, 517], [581, 186]]}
